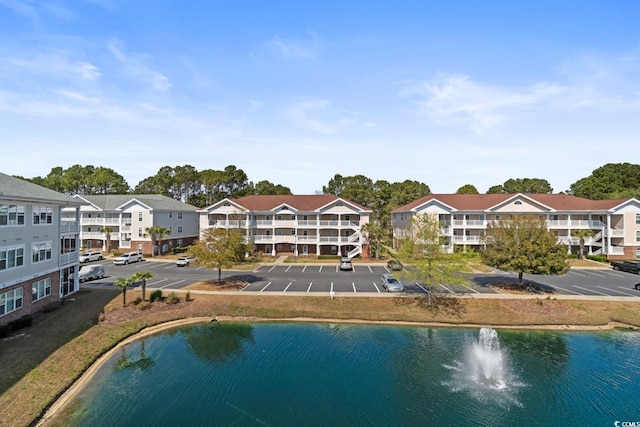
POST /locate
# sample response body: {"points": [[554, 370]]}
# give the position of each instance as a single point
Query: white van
{"points": [[91, 272]]}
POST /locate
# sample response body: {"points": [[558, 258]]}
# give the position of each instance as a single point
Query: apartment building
{"points": [[126, 218], [38, 247], [614, 224], [301, 225]]}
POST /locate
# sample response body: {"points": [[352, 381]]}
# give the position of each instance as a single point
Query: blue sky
{"points": [[442, 92]]}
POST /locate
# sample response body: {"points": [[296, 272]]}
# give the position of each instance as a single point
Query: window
{"points": [[179, 215], [278, 232], [293, 232], [11, 257], [41, 289], [67, 283], [179, 229], [139, 231], [42, 215], [67, 245], [11, 215], [517, 202], [637, 236], [170, 214], [279, 217], [139, 216], [637, 218], [226, 204], [10, 301], [41, 251]]}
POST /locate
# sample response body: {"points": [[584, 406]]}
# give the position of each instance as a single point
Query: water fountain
{"points": [[484, 372], [486, 360]]}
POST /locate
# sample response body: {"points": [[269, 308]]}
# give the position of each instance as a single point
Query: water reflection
{"points": [[216, 342], [143, 362]]}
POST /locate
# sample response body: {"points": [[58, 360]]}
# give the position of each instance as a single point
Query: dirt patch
{"points": [[547, 307], [214, 285]]}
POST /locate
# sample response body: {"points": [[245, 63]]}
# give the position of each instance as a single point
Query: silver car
{"points": [[391, 284], [345, 264]]}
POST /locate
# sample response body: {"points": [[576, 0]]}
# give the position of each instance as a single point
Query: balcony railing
{"points": [[69, 226], [92, 220], [466, 239], [68, 258]]}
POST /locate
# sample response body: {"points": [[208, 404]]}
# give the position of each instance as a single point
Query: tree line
{"points": [[205, 187]]}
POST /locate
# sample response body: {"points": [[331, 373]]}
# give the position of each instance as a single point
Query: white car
{"points": [[128, 258], [90, 256], [184, 261]]}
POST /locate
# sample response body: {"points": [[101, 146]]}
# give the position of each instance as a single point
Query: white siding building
{"points": [[128, 216], [38, 247], [304, 225], [614, 224]]}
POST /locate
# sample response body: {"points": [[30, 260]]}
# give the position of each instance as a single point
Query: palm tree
{"points": [[107, 234], [158, 233], [123, 283], [143, 276], [581, 234]]}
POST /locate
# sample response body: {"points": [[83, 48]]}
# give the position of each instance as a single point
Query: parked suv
{"points": [[90, 256], [128, 258]]}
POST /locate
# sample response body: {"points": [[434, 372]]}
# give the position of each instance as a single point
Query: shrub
{"points": [[188, 296], [572, 256], [329, 257], [137, 301], [598, 258], [5, 330], [180, 250], [144, 305], [172, 298], [155, 295], [22, 322]]}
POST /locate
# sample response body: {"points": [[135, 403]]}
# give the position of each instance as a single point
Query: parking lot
{"points": [[366, 279]]}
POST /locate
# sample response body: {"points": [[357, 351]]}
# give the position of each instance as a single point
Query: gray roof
{"points": [[12, 188], [111, 202]]}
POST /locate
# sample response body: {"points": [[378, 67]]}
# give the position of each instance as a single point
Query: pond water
{"points": [[272, 374]]}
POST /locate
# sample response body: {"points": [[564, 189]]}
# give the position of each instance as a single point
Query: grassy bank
{"points": [[43, 365]]}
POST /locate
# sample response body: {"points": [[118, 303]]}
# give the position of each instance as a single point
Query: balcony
{"points": [[232, 223], [466, 239], [69, 226], [101, 221]]}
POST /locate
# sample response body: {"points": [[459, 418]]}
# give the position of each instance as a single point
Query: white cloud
{"points": [[295, 48], [300, 113], [60, 63], [456, 99], [135, 65]]}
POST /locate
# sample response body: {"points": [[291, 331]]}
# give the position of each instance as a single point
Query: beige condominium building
{"points": [[126, 218], [38, 247], [614, 224], [301, 225]]}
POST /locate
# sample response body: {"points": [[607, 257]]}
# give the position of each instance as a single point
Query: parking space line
{"points": [[613, 290], [577, 274], [376, 285], [244, 287], [354, 287], [629, 294], [272, 269], [174, 283], [448, 290], [168, 267], [421, 287], [615, 273], [157, 281], [566, 290], [320, 271], [588, 290], [309, 288], [370, 270], [287, 269], [388, 271], [596, 274], [304, 268], [470, 288], [267, 285], [285, 289], [255, 270]]}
